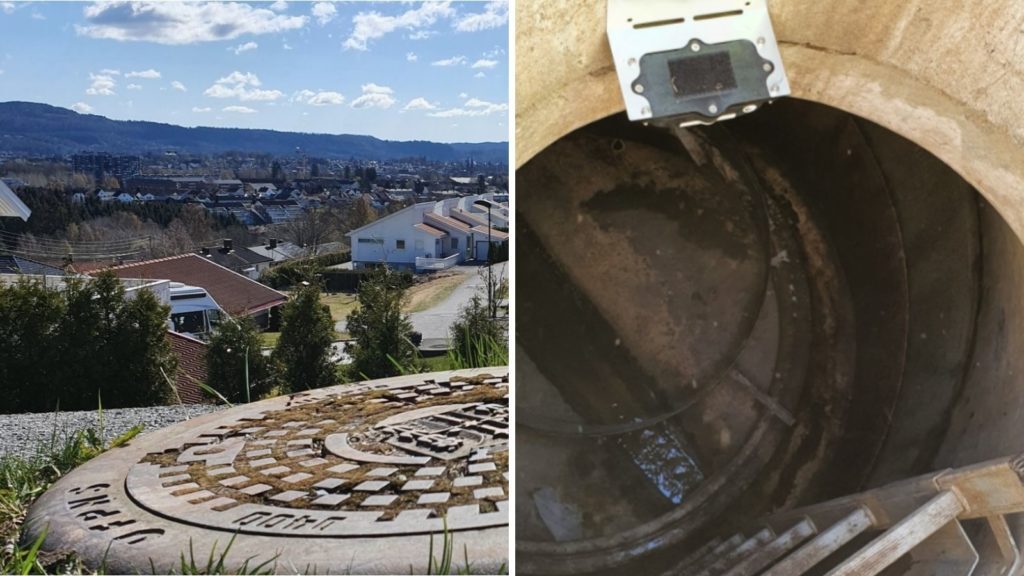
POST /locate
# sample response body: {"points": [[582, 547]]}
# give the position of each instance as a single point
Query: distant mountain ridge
{"points": [[41, 129]]}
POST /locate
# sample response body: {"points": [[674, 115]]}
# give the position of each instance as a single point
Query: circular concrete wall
{"points": [[945, 76]]}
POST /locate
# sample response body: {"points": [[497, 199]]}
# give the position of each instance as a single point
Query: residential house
{"points": [[17, 265], [240, 260], [237, 295], [426, 236]]}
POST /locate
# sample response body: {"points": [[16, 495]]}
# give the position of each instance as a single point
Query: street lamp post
{"points": [[490, 281]]}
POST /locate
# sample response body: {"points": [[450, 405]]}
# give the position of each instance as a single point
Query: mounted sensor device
{"points": [[695, 61]]}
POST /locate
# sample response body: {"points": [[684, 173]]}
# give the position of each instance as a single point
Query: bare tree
{"points": [[315, 228]]}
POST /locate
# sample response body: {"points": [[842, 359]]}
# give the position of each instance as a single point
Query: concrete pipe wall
{"points": [[923, 227]]}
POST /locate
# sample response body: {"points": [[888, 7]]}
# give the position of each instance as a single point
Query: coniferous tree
{"points": [[380, 328], [304, 348], [231, 345]]}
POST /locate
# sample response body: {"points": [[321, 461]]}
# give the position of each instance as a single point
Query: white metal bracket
{"points": [[695, 61]]}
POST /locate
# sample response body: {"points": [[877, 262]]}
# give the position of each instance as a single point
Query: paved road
{"points": [[435, 322]]}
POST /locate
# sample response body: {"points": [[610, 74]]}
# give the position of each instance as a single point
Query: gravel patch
{"points": [[26, 434]]}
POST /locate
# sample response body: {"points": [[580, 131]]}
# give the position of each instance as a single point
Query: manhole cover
{"points": [[353, 479]]}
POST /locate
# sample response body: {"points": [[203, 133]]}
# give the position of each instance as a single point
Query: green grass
{"points": [[22, 480], [269, 339]]}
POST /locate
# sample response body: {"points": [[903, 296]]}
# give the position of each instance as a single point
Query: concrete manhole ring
{"points": [[353, 479]]}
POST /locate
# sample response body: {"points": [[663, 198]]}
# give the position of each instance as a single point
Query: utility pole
{"points": [[490, 280]]}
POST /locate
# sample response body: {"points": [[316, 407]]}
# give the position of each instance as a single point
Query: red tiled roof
{"points": [[236, 294], [191, 355]]}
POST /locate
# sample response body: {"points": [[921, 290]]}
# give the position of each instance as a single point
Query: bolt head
{"points": [[713, 109], [749, 108], [638, 88], [695, 47]]}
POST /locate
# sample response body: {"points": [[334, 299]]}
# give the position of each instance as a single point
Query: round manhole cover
{"points": [[353, 479]]}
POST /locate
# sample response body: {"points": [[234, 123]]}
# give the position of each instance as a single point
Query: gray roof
{"points": [[10, 205], [19, 265]]}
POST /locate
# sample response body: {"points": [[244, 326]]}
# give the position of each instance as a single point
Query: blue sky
{"points": [[396, 70]]}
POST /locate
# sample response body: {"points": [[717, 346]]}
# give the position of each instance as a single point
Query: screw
{"points": [[749, 108], [638, 88], [695, 47], [760, 41], [631, 62], [713, 109], [767, 67]]}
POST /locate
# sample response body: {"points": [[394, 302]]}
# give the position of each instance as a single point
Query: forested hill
{"points": [[40, 129]]}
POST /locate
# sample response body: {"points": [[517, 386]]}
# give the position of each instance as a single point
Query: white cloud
{"points": [[244, 86], [372, 25], [463, 95], [176, 22], [472, 107], [102, 85], [419, 104], [321, 98], [485, 63], [279, 6], [244, 47], [38, 16], [495, 14], [147, 74], [81, 108], [479, 75], [201, 110], [110, 72], [135, 86], [238, 109], [422, 34], [375, 96], [411, 57], [286, 46], [324, 12], [453, 61], [8, 7], [495, 53], [179, 86]]}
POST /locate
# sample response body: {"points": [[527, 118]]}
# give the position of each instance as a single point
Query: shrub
{"points": [[477, 339], [68, 347]]}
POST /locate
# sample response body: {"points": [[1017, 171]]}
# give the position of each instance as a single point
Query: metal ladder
{"points": [[952, 522]]}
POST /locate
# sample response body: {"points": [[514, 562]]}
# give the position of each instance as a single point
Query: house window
{"points": [[455, 243], [399, 244]]}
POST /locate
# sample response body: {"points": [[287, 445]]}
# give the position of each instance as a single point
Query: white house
{"points": [[426, 236]]}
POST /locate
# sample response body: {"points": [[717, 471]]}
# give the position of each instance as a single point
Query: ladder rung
{"points": [[902, 537], [824, 544], [714, 555], [774, 550], [752, 544]]}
